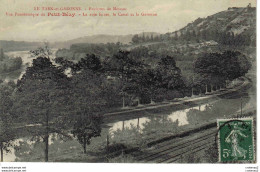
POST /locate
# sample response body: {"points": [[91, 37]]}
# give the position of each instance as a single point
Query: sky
{"points": [[171, 16]]}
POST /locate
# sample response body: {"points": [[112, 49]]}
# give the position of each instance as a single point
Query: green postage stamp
{"points": [[236, 139]]}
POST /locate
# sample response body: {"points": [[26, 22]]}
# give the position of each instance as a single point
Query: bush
{"points": [[129, 136]]}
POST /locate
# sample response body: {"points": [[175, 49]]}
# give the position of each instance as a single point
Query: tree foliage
{"points": [[169, 73], [44, 90], [87, 102], [215, 68], [87, 126], [7, 132]]}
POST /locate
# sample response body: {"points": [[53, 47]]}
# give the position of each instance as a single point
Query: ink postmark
{"points": [[235, 137]]}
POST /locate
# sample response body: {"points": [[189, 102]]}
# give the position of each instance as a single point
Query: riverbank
{"points": [[176, 104]]}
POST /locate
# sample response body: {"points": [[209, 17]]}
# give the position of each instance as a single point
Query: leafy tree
{"points": [[135, 39], [216, 68], [193, 34], [63, 62], [204, 35], [138, 53], [150, 81], [235, 64], [91, 62], [190, 83], [2, 56], [143, 38], [7, 132], [86, 127], [209, 67], [188, 36], [125, 68], [87, 103], [169, 73], [44, 51], [146, 84], [175, 36], [44, 90]]}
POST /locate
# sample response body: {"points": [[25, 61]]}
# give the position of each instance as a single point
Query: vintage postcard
{"points": [[127, 81]]}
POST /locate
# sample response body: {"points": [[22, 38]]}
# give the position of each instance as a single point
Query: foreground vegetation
{"points": [[68, 98]]}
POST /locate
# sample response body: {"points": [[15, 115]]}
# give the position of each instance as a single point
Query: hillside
{"points": [[235, 26]]}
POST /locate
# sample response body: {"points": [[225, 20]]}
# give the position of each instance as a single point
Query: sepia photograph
{"points": [[127, 81]]}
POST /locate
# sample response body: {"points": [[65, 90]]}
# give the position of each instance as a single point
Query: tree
{"points": [[91, 62], [204, 35], [138, 53], [209, 67], [198, 83], [150, 82], [2, 56], [170, 74], [141, 84], [64, 63], [175, 36], [135, 39], [44, 89], [7, 133], [87, 103], [190, 83], [143, 38], [216, 68], [235, 64], [188, 36], [151, 37], [193, 34], [86, 127], [44, 51], [125, 68]]}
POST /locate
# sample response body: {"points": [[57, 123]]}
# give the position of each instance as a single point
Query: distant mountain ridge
{"points": [[101, 38], [94, 39]]}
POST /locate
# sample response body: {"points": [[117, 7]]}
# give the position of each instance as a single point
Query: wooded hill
{"points": [[235, 26]]}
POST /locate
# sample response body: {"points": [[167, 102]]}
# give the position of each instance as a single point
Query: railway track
{"points": [[173, 149], [175, 158]]}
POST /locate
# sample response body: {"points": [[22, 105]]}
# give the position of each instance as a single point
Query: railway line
{"points": [[173, 148]]}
